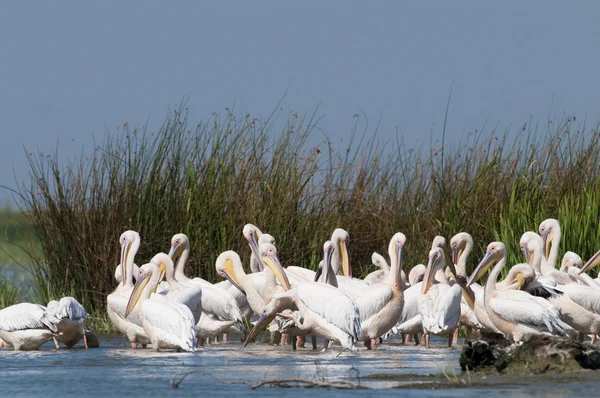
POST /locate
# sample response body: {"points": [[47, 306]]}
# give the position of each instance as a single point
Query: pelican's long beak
{"points": [[547, 241], [273, 263], [124, 252], [262, 322], [253, 242], [467, 292], [319, 271], [229, 274], [591, 263], [520, 280], [527, 254], [430, 273], [326, 267], [399, 259], [455, 255], [485, 263], [346, 268], [136, 293], [162, 272]]}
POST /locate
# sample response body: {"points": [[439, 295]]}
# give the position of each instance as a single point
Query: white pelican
{"points": [[190, 296], [572, 264], [117, 300], [167, 324], [220, 309], [440, 302], [517, 314], [379, 276], [323, 309], [27, 326], [461, 246], [72, 318], [551, 234], [380, 305], [410, 322], [416, 274]]}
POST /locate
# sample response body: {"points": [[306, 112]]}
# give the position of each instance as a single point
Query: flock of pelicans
{"points": [[168, 310]]}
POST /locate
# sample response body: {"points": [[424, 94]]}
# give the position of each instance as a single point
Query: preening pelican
{"points": [[380, 305], [71, 325], [416, 274], [27, 326], [117, 300], [572, 264], [440, 302], [220, 310], [517, 314], [167, 324], [323, 309]]}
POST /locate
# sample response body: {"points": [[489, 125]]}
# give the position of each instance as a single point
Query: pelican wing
{"points": [[27, 316], [522, 308], [585, 296], [333, 305], [221, 304], [172, 322], [372, 300], [72, 309]]}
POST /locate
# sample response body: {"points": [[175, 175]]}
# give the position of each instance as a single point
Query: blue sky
{"points": [[72, 70]]}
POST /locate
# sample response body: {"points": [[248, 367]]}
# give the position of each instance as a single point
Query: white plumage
{"points": [[72, 318], [27, 326]]}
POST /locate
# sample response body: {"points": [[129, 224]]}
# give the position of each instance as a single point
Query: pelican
{"points": [[220, 309], [190, 296], [416, 274], [380, 306], [410, 322], [551, 234], [461, 246], [572, 264], [440, 302], [71, 325], [517, 314], [167, 324], [323, 309], [379, 276], [117, 300], [27, 326]]}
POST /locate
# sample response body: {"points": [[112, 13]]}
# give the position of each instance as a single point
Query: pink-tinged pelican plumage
{"points": [[72, 317], [27, 326], [381, 304], [517, 314], [167, 324]]}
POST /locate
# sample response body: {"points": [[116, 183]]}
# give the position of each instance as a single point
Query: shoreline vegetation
{"points": [[209, 179]]}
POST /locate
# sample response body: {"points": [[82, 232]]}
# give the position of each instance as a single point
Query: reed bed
{"points": [[208, 179]]}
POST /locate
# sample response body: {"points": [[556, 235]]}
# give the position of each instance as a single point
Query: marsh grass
{"points": [[208, 180]]}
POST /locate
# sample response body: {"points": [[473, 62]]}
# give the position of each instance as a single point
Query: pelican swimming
{"points": [[27, 326], [117, 300], [167, 324], [380, 305], [220, 310], [321, 308], [71, 325], [517, 314]]}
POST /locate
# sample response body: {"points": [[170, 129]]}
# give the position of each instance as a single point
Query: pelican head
{"points": [[270, 259], [416, 274], [342, 238], [225, 268], [164, 263], [146, 273], [436, 262], [529, 244], [179, 243], [549, 229], [129, 240], [458, 244], [522, 273], [495, 251], [571, 259], [378, 261], [591, 263], [395, 251]]}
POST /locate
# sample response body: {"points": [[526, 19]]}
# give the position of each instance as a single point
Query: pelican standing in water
{"points": [[440, 302], [27, 326], [167, 324], [517, 314], [321, 308], [117, 300], [71, 325], [381, 305]]}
